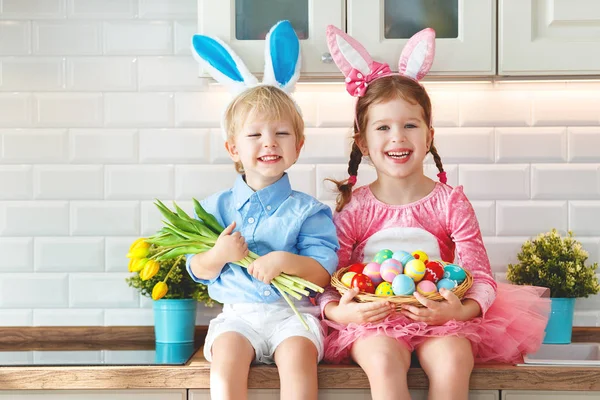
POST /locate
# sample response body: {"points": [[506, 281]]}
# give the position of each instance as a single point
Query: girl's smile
{"points": [[399, 156]]}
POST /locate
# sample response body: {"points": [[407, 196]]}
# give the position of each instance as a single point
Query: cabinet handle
{"points": [[326, 58]]}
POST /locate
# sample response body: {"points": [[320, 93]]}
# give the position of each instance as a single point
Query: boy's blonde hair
{"points": [[268, 102]]}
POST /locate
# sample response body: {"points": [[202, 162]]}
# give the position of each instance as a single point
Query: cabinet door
{"points": [[133, 394], [243, 25], [340, 394], [546, 395], [253, 394], [365, 394], [548, 37], [465, 31]]}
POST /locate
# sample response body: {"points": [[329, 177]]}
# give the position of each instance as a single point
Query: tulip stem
{"points": [[291, 304], [171, 270]]}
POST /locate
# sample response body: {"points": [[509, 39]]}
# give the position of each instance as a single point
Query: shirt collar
{"points": [[270, 197]]}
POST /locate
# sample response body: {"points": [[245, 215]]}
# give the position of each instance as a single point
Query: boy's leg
{"points": [[448, 379], [232, 355], [297, 358], [386, 362]]}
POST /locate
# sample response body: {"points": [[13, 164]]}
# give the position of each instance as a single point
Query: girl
{"points": [[405, 210], [293, 232]]}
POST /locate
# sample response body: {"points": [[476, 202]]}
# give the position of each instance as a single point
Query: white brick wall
{"points": [[101, 111]]}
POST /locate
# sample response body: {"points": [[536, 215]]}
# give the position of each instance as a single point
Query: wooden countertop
{"points": [[195, 374]]}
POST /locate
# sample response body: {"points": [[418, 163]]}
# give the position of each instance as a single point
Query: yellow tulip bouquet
{"points": [[160, 258]]}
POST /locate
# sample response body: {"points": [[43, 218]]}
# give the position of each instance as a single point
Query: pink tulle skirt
{"points": [[514, 325]]}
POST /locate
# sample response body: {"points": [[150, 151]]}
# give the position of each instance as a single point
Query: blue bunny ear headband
{"points": [[282, 62]]}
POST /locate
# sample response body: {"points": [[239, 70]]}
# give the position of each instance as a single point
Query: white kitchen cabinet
{"points": [[465, 31], [339, 394], [547, 395], [253, 394], [133, 394], [548, 37], [242, 24]]}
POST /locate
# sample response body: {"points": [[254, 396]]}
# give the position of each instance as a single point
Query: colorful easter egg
{"points": [[403, 285], [426, 287], [455, 273], [384, 289], [382, 255], [372, 270], [434, 271], [402, 256], [347, 278], [421, 255], [357, 267], [415, 269], [446, 284], [390, 269], [363, 283]]}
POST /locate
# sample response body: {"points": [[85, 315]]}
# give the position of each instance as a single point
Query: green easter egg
{"points": [[382, 255]]}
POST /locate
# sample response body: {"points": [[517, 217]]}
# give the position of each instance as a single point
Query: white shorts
{"points": [[266, 326]]}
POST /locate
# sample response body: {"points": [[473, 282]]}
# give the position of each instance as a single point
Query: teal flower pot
{"points": [[174, 320], [560, 324], [173, 353]]}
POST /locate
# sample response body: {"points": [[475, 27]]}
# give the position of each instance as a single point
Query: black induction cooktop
{"points": [[161, 354]]}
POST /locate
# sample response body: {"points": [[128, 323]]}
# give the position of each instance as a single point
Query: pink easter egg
{"points": [[372, 270], [426, 287], [390, 268]]}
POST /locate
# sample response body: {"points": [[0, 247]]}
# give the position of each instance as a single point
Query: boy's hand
{"points": [[230, 247], [437, 312], [269, 266], [348, 311]]}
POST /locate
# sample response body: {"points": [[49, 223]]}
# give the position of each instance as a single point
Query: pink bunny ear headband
{"points": [[360, 69]]}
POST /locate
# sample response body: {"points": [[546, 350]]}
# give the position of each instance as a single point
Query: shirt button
{"points": [[269, 208], [250, 220], [267, 292]]}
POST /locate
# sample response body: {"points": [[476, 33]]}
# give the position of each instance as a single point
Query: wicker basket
{"points": [[399, 301]]}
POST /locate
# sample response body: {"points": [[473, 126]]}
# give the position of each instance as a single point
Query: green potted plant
{"points": [[557, 263], [174, 292]]}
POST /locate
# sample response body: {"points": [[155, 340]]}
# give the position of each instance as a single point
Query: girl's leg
{"points": [[385, 361], [448, 362], [232, 355], [296, 358]]}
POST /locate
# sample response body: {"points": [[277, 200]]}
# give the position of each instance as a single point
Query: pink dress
{"points": [[443, 224]]}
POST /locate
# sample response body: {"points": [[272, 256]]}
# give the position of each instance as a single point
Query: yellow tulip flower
{"points": [[138, 242], [150, 269], [139, 252], [130, 265], [159, 290], [138, 264]]}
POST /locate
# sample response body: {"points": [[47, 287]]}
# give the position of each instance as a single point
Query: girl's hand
{"points": [[435, 312], [348, 311], [269, 266], [230, 247]]}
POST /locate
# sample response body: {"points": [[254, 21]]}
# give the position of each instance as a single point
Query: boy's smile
{"points": [[270, 159], [266, 149]]}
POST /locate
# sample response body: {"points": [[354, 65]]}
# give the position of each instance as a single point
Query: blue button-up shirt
{"points": [[275, 218]]}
